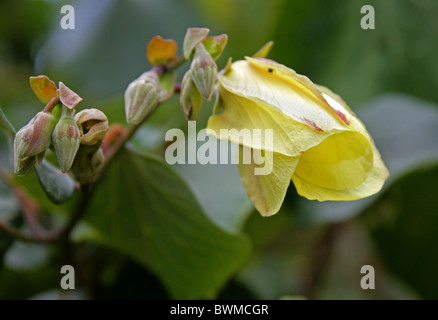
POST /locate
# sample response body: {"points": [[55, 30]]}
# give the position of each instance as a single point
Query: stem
{"points": [[60, 235], [66, 112], [29, 207], [78, 212], [177, 63], [116, 147], [320, 258], [52, 103], [14, 232]]}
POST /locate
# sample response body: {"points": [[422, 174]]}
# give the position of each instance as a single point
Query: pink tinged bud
{"points": [[66, 139], [141, 97], [33, 139], [93, 125], [204, 71]]}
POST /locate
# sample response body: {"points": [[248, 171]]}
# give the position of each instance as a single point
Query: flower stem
{"points": [[52, 103], [320, 259]]}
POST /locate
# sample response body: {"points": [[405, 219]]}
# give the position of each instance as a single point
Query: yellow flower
{"points": [[318, 142]]}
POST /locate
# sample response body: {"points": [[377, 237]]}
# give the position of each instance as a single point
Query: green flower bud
{"points": [[66, 140], [204, 71], [190, 98], [93, 125], [88, 164], [141, 97]]}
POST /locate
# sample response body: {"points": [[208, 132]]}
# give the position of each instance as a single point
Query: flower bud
{"points": [[204, 71], [93, 125], [141, 97], [66, 140], [190, 98], [88, 164], [33, 140], [36, 136]]}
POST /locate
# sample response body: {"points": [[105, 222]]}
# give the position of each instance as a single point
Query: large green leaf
{"points": [[144, 208], [219, 190], [404, 224]]}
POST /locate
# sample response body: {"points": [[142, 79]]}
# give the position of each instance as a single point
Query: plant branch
{"points": [[176, 63], [28, 205], [14, 232], [78, 212], [59, 235], [320, 259]]}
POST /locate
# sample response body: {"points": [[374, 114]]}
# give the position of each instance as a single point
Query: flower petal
{"points": [[342, 167], [290, 137], [282, 89], [267, 192]]}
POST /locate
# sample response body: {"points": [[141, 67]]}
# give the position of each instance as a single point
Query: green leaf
{"points": [[144, 208], [58, 186], [6, 125], [227, 203], [405, 131], [404, 226]]}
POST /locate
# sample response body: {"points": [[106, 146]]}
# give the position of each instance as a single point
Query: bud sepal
{"points": [[203, 71]]}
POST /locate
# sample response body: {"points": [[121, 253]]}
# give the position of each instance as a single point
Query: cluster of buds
{"points": [[199, 81], [76, 139]]}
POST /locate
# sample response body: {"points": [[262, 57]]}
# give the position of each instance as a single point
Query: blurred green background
{"points": [[388, 76]]}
